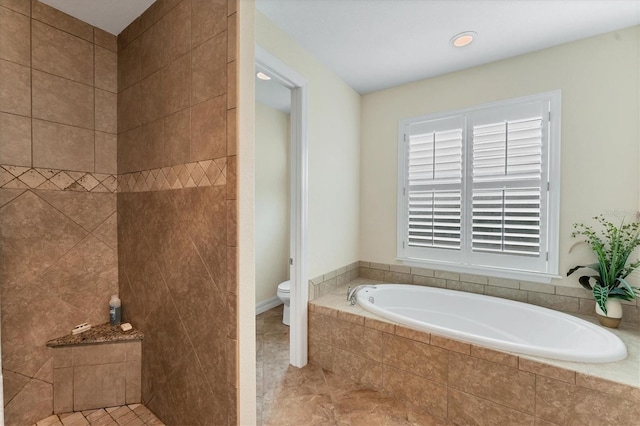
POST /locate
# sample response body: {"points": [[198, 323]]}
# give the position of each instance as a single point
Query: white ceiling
{"points": [[112, 16], [273, 94], [377, 44]]}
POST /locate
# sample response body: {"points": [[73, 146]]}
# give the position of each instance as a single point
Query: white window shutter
{"points": [[478, 189], [434, 178], [507, 185]]}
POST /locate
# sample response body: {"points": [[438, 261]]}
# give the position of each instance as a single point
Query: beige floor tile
{"points": [[51, 420], [72, 418], [119, 412], [95, 415], [126, 418]]}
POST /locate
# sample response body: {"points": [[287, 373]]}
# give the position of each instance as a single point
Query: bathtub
{"points": [[493, 322]]}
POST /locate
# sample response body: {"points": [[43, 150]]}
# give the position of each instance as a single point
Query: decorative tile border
{"points": [[17, 177], [190, 175]]}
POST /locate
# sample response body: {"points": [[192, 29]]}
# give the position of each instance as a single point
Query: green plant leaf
{"points": [[601, 294], [584, 281], [631, 290], [620, 293], [594, 266]]}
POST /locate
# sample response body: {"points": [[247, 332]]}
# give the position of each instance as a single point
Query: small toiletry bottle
{"points": [[115, 312]]}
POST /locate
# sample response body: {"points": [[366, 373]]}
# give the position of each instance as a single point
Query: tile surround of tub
{"points": [[516, 389], [573, 300], [325, 283]]}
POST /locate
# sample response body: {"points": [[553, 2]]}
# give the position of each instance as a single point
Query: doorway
{"points": [[282, 74]]}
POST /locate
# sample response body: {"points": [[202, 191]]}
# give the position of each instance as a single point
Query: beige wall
{"points": [[177, 205], [246, 214], [58, 243], [334, 143], [272, 200], [599, 81]]}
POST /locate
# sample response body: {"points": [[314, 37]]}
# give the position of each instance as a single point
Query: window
{"points": [[478, 189]]}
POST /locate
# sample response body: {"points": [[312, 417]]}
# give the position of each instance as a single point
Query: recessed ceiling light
{"points": [[263, 76], [463, 39]]}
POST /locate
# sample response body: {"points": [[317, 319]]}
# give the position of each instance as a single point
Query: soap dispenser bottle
{"points": [[115, 310]]}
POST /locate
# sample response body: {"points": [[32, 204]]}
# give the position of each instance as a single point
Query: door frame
{"points": [[298, 160]]}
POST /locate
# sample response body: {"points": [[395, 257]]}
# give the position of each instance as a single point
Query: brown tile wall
{"points": [[177, 207], [58, 91], [175, 94], [96, 376], [58, 249], [58, 269], [459, 382]]}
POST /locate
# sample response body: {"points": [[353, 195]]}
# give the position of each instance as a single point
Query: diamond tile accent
{"points": [[62, 180], [197, 174], [47, 173], [213, 172], [55, 180], [221, 163], [48, 185], [189, 175], [16, 170], [76, 175], [5, 177], [100, 177], [32, 178], [172, 177], [88, 182], [15, 184]]}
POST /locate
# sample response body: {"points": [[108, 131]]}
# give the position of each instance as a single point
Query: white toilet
{"points": [[284, 291]]}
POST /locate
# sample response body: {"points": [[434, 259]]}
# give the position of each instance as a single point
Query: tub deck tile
{"points": [[494, 356], [503, 385], [547, 370], [410, 333], [466, 409], [452, 345]]}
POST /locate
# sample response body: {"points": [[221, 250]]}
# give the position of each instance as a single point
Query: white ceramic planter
{"points": [[614, 313]]}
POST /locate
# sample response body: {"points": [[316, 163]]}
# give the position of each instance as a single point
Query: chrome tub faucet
{"points": [[353, 292]]}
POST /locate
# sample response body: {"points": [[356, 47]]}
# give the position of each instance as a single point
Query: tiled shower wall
{"points": [[58, 249], [177, 205]]}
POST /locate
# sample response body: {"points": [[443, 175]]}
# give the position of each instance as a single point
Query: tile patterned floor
{"points": [[126, 415], [287, 395]]}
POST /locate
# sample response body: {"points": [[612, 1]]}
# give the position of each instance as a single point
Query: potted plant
{"points": [[612, 245]]}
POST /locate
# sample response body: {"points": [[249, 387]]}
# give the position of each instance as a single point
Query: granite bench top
{"points": [[103, 333]]}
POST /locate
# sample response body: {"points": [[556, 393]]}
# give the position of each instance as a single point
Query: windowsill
{"points": [[537, 277]]}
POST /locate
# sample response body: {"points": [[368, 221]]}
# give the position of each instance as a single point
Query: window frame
{"points": [[459, 261]]}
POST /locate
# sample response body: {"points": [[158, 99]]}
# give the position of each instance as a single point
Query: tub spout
{"points": [[353, 292]]}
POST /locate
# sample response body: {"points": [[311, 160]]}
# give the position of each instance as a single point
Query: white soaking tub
{"points": [[493, 322]]}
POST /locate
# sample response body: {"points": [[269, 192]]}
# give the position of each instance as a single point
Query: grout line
{"points": [[93, 75], [31, 74], [61, 29]]}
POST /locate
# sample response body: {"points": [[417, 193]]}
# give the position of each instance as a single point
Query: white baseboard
{"points": [[265, 305]]}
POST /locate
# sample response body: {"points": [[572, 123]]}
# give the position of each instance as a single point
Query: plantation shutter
{"points": [[434, 183], [507, 181]]}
